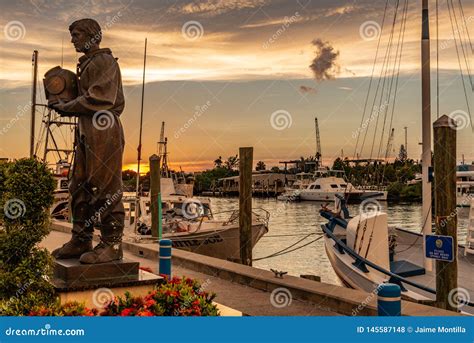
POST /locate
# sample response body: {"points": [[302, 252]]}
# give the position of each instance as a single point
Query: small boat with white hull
{"points": [[364, 252]]}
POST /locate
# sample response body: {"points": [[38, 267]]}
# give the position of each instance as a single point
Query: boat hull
{"points": [[223, 243]]}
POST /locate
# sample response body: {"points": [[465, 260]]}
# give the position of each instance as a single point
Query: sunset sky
{"points": [[228, 73]]}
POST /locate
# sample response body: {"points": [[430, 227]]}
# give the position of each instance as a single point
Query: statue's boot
{"points": [[80, 243], [109, 248]]}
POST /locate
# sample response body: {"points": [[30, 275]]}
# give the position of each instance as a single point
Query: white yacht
{"points": [[464, 188], [326, 188]]}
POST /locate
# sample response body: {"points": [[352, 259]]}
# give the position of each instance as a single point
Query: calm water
{"points": [[301, 218]]}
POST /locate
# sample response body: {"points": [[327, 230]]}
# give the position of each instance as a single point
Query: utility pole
{"points": [[445, 207], [245, 204], [34, 61]]}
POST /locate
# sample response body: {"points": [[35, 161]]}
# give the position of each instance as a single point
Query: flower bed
{"points": [[176, 297]]}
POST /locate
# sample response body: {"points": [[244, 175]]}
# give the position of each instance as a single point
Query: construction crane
{"points": [[163, 151], [318, 143]]}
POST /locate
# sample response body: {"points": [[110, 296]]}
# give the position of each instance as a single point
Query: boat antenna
{"points": [[34, 60], [139, 149], [62, 51]]}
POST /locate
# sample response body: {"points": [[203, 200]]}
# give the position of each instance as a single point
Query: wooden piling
{"points": [[245, 204], [445, 206], [155, 197]]}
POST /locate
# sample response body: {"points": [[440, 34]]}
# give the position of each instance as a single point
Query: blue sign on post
{"points": [[439, 247]]}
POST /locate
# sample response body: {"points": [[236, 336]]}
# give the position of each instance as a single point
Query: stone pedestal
{"points": [[97, 284]]}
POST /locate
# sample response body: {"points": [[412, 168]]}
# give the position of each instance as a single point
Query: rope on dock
{"points": [[286, 251]]}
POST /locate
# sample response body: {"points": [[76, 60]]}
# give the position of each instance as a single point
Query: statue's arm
{"points": [[104, 78]]}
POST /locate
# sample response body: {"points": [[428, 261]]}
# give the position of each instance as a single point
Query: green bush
{"points": [[26, 195]]}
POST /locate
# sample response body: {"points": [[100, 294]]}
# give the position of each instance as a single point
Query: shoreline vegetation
{"points": [[399, 176]]}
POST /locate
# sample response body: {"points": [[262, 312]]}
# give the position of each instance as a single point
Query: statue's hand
{"points": [[60, 107]]}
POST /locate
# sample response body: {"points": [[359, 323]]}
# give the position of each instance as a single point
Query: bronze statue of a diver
{"points": [[96, 183]]}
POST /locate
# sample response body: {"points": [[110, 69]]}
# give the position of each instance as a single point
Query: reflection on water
{"points": [[302, 218]]}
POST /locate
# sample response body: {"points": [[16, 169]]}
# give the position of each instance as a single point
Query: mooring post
{"points": [[445, 207], [155, 196], [389, 300], [165, 257], [245, 204]]}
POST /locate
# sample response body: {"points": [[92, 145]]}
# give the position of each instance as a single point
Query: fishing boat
{"points": [[190, 224]]}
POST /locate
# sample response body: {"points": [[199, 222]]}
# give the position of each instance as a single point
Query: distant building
{"points": [[264, 183]]}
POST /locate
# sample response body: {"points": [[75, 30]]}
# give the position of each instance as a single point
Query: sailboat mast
{"points": [[426, 125], [33, 102], [139, 149]]}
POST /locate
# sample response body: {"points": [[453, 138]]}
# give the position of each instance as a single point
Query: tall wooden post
{"points": [[155, 196], [245, 204], [445, 206]]}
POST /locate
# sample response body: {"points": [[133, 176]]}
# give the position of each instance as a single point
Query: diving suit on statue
{"points": [[96, 183]]}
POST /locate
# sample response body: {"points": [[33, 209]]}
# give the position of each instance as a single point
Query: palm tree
{"points": [[260, 166], [218, 162]]}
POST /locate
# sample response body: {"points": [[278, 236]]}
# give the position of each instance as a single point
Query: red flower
{"points": [[145, 313], [149, 302], [126, 312]]}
